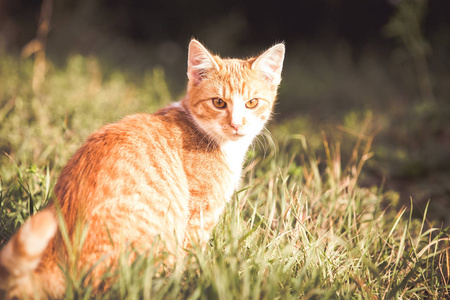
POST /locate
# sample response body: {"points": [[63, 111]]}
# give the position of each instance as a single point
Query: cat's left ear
{"points": [[270, 64], [200, 61]]}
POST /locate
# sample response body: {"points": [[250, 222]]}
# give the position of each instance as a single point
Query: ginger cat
{"points": [[168, 174]]}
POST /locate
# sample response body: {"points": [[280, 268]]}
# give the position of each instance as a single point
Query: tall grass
{"points": [[300, 227]]}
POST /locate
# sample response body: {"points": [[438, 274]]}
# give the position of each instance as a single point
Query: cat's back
{"points": [[121, 159], [169, 125], [137, 136]]}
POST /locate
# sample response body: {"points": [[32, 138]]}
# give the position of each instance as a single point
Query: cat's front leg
{"points": [[201, 223]]}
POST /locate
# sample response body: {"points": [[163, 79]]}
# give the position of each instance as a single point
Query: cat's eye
{"points": [[252, 103], [219, 103]]}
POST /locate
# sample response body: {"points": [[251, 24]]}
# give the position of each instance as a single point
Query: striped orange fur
{"points": [[167, 174]]}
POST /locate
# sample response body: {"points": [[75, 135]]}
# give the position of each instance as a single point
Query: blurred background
{"points": [[354, 70]]}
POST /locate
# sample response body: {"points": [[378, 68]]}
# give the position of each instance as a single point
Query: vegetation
{"points": [[317, 216], [301, 227]]}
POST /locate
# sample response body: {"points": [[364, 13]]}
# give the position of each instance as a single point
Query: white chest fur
{"points": [[234, 154]]}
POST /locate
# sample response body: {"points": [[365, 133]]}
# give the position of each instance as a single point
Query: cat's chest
{"points": [[233, 155], [214, 176]]}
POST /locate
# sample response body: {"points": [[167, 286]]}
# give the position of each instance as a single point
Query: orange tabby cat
{"points": [[168, 174]]}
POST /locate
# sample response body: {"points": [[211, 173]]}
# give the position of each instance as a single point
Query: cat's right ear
{"points": [[270, 64], [200, 61]]}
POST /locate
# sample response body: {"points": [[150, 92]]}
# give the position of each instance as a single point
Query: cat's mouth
{"points": [[235, 135]]}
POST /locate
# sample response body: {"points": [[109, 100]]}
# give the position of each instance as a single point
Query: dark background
{"points": [[260, 22], [341, 62], [231, 27], [138, 34]]}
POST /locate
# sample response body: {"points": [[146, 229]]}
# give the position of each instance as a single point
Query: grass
{"points": [[301, 227]]}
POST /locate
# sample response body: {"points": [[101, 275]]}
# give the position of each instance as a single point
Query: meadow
{"points": [[308, 222]]}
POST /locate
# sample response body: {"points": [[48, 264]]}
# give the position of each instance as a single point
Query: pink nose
{"points": [[236, 127]]}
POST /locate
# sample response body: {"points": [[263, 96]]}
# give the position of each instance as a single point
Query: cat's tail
{"points": [[22, 254]]}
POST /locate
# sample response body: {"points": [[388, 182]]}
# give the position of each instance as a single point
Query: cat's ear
{"points": [[200, 61], [270, 64]]}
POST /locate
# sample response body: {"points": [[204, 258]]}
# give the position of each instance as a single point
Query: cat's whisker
{"points": [[268, 135], [257, 140]]}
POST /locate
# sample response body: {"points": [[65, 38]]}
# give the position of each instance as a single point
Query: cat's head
{"points": [[232, 99]]}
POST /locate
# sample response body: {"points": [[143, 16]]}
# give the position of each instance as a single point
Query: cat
{"points": [[167, 174]]}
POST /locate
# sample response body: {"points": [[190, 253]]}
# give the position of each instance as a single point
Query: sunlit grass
{"points": [[300, 227]]}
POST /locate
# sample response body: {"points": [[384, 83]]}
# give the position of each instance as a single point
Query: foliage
{"points": [[39, 132], [301, 227]]}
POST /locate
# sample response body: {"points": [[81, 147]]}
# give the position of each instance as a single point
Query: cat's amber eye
{"points": [[252, 103], [219, 103]]}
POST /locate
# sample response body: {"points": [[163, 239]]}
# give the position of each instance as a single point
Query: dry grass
{"points": [[301, 227]]}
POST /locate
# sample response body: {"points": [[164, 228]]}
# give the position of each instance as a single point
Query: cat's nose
{"points": [[236, 127]]}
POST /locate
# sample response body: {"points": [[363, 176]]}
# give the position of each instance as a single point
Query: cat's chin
{"points": [[235, 136]]}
